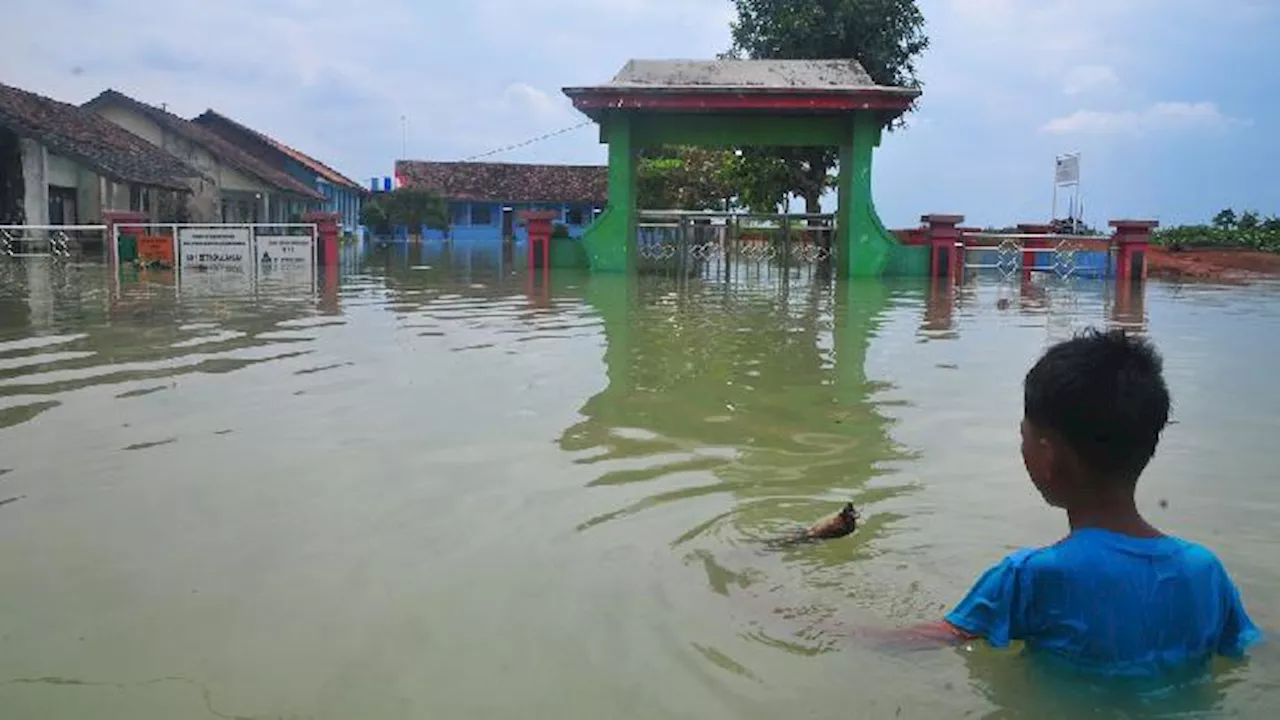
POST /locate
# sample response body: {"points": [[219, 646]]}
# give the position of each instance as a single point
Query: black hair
{"points": [[1104, 394]]}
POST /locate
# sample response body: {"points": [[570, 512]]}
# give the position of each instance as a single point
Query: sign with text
{"points": [[285, 260], [223, 249], [1067, 170], [285, 252], [155, 250]]}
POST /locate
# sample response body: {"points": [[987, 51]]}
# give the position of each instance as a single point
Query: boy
{"points": [[1116, 596]]}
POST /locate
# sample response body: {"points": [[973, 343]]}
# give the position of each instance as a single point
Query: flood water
{"points": [[430, 489]]}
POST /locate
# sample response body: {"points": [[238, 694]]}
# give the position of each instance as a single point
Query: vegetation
{"points": [[885, 36], [686, 178], [405, 207], [1247, 230]]}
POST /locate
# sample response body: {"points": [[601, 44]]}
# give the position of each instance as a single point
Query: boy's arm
{"points": [[924, 636]]}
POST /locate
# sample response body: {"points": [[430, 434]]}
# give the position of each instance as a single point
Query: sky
{"points": [[1171, 103]]}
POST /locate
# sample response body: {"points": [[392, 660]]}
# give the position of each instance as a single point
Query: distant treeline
{"points": [[1229, 229]]}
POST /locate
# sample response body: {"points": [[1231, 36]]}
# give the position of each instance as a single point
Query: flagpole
{"points": [[1075, 222]]}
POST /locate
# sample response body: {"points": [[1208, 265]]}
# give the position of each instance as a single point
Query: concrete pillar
{"points": [[863, 245], [614, 249], [35, 179], [1034, 259], [539, 224], [945, 259], [326, 235], [1130, 241]]}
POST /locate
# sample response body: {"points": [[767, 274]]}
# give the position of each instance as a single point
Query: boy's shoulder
{"points": [[1087, 547]]}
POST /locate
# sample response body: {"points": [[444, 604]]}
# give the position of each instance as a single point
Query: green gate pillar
{"points": [[864, 245], [610, 239]]}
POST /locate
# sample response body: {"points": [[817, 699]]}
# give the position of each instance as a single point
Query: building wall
{"points": [[481, 221], [62, 172], [343, 200], [206, 199]]}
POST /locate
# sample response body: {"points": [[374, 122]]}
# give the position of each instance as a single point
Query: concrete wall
{"points": [[62, 172]]}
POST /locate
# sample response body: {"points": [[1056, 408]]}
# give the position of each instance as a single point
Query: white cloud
{"points": [[522, 97], [1091, 78], [1160, 116]]}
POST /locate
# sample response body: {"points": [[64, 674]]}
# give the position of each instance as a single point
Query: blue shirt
{"points": [[1111, 603]]}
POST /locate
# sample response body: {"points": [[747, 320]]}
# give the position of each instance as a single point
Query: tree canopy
{"points": [[686, 178], [405, 207], [885, 36]]}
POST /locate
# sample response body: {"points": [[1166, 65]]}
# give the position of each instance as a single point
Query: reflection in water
{"points": [[760, 399]]}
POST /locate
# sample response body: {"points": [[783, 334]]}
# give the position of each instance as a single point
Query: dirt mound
{"points": [[1227, 265]]}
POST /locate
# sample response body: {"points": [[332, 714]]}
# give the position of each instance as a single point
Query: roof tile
{"points": [[507, 182], [214, 143], [91, 140]]}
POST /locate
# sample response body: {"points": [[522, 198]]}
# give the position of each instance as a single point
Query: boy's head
{"points": [[1093, 410]]}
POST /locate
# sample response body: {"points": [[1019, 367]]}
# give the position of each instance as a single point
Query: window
{"points": [[481, 215], [573, 216], [459, 214]]}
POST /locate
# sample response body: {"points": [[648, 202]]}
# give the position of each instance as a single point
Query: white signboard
{"points": [[285, 261], [221, 249], [291, 253], [1067, 171]]}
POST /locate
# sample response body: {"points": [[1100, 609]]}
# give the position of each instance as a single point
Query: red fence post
{"points": [[1030, 259], [326, 235], [538, 223], [1131, 240], [943, 233]]}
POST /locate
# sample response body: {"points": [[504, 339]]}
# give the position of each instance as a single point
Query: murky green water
{"points": [[430, 490]]}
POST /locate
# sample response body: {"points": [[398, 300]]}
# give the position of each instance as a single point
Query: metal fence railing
{"points": [[1011, 253], [728, 246], [50, 241]]}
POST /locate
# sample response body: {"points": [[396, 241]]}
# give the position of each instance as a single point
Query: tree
{"points": [[1249, 220], [374, 217], [686, 178], [884, 36], [408, 207], [1225, 220]]}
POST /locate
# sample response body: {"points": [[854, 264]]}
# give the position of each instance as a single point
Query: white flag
{"points": [[1067, 170]]}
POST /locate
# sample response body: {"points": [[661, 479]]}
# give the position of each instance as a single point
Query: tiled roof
{"points": [[218, 123], [91, 140], [507, 182], [211, 141]]}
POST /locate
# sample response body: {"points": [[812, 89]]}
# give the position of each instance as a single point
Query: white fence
{"points": [[245, 249]]}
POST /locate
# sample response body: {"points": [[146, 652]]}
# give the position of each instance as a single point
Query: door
{"points": [[62, 206], [508, 223]]}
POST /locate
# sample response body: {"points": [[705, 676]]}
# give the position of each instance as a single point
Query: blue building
{"points": [[485, 198], [342, 195]]}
